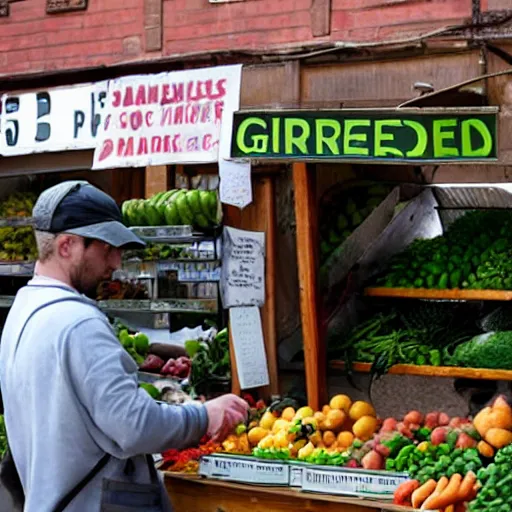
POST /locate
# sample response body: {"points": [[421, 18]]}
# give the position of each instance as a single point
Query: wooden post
{"points": [[156, 179], [235, 381], [304, 180], [260, 216]]}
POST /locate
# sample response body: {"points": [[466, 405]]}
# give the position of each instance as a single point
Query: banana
{"points": [[186, 214], [153, 200], [165, 197], [172, 216], [203, 202], [152, 214], [194, 201]]}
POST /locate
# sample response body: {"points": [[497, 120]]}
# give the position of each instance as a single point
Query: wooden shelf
{"points": [[429, 294], [433, 371], [190, 492]]}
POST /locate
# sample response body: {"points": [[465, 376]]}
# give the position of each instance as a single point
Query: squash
{"points": [[498, 437], [485, 449]]}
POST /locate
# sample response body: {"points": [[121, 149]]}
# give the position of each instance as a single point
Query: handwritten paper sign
{"points": [[243, 268], [235, 182], [251, 360], [167, 118]]}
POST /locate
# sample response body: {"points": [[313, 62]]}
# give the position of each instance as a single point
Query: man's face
{"points": [[93, 263]]}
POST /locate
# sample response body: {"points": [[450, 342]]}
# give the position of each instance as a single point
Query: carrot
{"points": [[450, 508], [402, 495], [460, 507], [440, 487], [448, 495], [421, 494], [466, 487]]}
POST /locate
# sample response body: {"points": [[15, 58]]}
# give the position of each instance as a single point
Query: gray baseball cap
{"points": [[79, 208]]}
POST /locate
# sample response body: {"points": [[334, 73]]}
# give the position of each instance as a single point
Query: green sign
{"points": [[405, 135]]}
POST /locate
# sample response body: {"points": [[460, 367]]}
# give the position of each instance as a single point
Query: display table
{"points": [[196, 494]]}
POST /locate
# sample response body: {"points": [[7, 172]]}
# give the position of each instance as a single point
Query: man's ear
{"points": [[65, 244]]}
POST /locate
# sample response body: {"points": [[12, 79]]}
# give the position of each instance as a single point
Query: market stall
{"points": [[398, 275]]}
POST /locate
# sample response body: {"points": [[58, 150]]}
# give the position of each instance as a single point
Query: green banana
{"points": [[171, 214], [203, 202], [213, 207], [153, 200], [193, 201], [124, 211], [186, 214], [201, 221], [165, 197], [131, 213], [140, 213], [152, 214]]}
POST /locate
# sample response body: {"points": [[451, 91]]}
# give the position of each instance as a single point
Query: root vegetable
{"points": [[466, 487], [483, 421], [450, 493], [438, 436], [440, 487], [413, 417], [152, 363], [485, 449], [432, 420], [404, 491], [444, 419], [389, 425], [383, 450], [465, 441], [422, 493], [373, 460], [498, 437], [404, 430]]}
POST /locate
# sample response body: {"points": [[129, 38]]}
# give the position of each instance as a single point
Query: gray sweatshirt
{"points": [[71, 393]]}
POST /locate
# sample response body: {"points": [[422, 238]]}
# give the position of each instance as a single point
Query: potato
{"points": [[413, 417], [373, 460]]}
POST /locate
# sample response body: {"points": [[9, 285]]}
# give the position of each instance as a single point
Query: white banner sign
{"points": [[45, 120], [168, 118]]}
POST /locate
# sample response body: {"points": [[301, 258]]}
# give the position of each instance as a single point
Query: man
{"points": [[70, 390]]}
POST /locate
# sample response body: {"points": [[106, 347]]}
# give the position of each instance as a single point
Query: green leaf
{"points": [[192, 347]]}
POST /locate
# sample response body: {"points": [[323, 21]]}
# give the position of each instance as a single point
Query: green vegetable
{"points": [[490, 350]]}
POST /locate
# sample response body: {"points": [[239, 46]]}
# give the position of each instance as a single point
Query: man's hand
{"points": [[224, 414]]}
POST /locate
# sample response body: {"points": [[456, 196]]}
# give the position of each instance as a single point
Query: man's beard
{"points": [[84, 284]]}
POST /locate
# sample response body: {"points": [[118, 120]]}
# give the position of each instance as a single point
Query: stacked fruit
{"points": [[197, 208], [137, 345], [18, 205], [319, 436], [343, 211], [17, 243]]}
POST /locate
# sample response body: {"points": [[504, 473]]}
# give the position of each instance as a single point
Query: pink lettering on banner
{"points": [[171, 113], [141, 96], [143, 146], [128, 97]]}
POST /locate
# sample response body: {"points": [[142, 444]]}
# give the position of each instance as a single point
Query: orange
{"points": [[360, 409], [341, 402]]}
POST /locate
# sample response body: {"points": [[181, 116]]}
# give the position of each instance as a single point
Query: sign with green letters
{"points": [[397, 135]]}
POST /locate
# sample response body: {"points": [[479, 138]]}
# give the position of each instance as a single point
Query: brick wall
{"points": [[113, 31], [30, 40]]}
